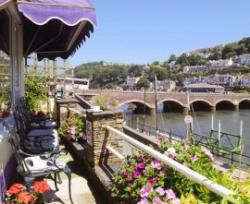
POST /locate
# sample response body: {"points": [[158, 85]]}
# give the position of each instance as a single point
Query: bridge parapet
{"points": [[148, 98]]}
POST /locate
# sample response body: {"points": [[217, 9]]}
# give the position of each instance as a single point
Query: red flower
{"points": [[15, 189], [41, 187], [26, 198]]}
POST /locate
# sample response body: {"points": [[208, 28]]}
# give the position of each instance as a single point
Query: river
{"points": [[230, 123]]}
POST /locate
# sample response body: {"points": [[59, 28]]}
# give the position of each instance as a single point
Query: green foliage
{"points": [[160, 72], [241, 89], [35, 91], [172, 58], [72, 127], [107, 76], [143, 83], [105, 102]]}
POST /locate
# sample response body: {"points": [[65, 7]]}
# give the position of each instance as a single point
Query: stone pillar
{"points": [[185, 110], [236, 107], [98, 137], [213, 109]]}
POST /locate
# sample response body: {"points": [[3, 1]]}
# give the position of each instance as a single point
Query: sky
{"points": [[143, 31]]}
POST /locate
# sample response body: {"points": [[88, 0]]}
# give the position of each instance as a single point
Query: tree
{"points": [[215, 55], [230, 50], [182, 60], [155, 63], [160, 72], [143, 83], [172, 58], [135, 71]]}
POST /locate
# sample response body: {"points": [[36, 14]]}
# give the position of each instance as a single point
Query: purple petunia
{"points": [[145, 191], [157, 200], [170, 194], [143, 201], [137, 174], [156, 164], [160, 190], [141, 166], [208, 153], [151, 181]]}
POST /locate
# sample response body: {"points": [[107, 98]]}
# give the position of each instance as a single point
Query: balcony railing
{"points": [[189, 173]]}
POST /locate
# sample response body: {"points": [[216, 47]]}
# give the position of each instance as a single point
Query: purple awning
{"points": [[55, 28], [70, 12]]}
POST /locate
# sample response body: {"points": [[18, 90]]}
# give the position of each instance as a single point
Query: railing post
{"points": [[98, 137]]}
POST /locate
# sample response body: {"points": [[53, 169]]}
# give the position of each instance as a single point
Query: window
{"points": [[5, 69]]}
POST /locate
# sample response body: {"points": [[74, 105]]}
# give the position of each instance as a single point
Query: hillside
{"points": [[111, 75]]}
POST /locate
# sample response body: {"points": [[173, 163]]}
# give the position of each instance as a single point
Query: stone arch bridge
{"points": [[175, 101]]}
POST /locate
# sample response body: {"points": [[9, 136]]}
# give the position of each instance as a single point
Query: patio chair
{"points": [[35, 141], [31, 167], [35, 121]]}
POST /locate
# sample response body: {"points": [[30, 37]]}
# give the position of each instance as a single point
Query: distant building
{"points": [[130, 83], [223, 80], [69, 83], [204, 87], [244, 80], [194, 69], [220, 64], [243, 59], [165, 85]]}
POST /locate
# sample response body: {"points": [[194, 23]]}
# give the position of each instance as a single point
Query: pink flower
{"points": [[208, 153], [128, 178], [157, 200], [73, 130], [194, 158], [156, 164], [137, 174], [151, 181], [171, 153], [140, 166], [170, 195], [145, 191], [160, 190], [143, 201]]}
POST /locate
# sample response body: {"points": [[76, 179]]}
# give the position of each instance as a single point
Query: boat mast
{"points": [[156, 107]]}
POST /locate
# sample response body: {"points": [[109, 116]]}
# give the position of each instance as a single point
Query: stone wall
{"points": [[98, 137]]}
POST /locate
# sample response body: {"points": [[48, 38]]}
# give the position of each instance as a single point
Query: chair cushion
{"points": [[41, 140], [37, 164], [41, 132], [43, 124]]}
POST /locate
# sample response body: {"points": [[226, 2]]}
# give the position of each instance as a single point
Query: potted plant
{"points": [[73, 128], [18, 193]]}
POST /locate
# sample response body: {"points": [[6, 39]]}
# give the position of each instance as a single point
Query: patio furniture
{"points": [[32, 120], [31, 167], [35, 141]]}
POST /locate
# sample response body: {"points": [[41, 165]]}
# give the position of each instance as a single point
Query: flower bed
{"points": [[144, 180], [18, 193]]}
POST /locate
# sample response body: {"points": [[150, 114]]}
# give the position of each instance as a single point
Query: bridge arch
{"points": [[141, 106], [171, 105], [244, 103], [225, 104], [200, 105]]}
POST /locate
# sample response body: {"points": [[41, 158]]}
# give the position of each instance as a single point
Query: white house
{"points": [[220, 64], [243, 59], [165, 85], [194, 69]]}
